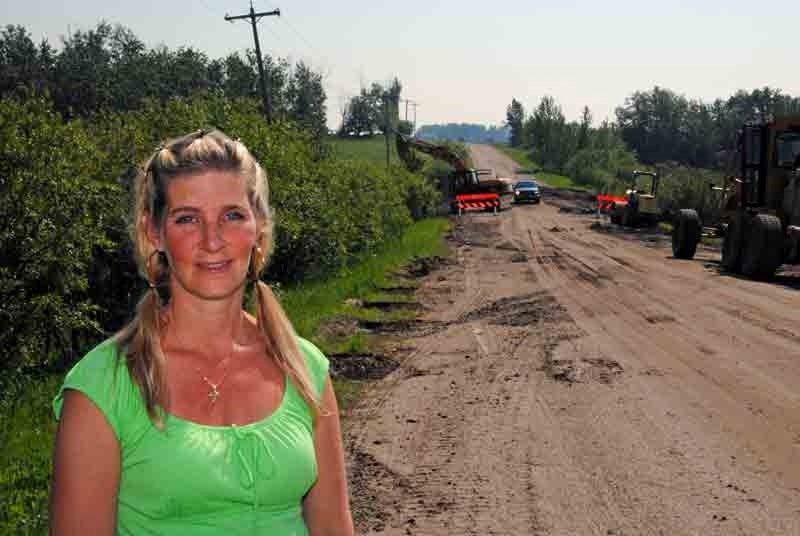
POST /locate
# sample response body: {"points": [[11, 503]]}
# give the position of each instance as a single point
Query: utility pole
{"points": [[254, 18], [414, 104]]}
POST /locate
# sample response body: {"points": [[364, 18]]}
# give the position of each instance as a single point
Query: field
{"points": [[372, 148]]}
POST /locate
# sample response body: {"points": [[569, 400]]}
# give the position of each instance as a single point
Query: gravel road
{"points": [[567, 377]]}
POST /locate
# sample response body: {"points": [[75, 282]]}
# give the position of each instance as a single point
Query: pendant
{"points": [[213, 394]]}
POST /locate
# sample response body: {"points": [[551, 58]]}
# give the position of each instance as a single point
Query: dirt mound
{"points": [[520, 310]]}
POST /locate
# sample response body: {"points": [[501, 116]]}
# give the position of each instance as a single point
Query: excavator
{"points": [[759, 205], [466, 188]]}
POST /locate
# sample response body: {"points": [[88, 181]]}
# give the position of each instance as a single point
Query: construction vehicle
{"points": [[466, 188], [636, 206], [759, 206]]}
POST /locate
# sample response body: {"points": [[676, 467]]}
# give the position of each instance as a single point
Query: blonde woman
{"points": [[199, 418]]}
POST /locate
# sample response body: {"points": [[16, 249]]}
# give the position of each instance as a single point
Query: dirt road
{"points": [[568, 378]]}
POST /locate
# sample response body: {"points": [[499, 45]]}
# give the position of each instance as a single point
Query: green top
{"points": [[196, 479]]}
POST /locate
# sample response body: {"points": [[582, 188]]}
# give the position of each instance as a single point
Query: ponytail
{"points": [[279, 334], [140, 342]]}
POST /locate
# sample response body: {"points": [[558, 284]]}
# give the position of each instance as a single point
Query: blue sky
{"points": [[463, 61]]}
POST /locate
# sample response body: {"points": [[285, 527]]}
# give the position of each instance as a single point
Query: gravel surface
{"points": [[567, 377]]}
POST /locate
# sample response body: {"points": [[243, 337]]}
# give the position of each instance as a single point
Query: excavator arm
{"points": [[440, 152]]}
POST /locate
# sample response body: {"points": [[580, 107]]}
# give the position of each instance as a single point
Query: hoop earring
{"points": [[161, 257], [254, 260]]}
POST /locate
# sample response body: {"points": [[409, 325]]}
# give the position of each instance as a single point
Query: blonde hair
{"points": [[140, 340]]}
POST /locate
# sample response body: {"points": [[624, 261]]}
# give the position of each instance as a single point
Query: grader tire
{"points": [[685, 234], [763, 250], [733, 244], [629, 218]]}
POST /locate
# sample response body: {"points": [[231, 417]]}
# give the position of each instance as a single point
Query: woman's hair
{"points": [[140, 340]]}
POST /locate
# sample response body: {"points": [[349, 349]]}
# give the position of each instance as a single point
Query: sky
{"points": [[463, 61]]}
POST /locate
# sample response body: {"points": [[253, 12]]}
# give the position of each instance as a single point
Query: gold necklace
{"points": [[214, 393]]}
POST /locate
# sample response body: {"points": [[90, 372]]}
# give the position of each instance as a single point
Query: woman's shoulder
{"points": [[102, 363], [102, 376]]}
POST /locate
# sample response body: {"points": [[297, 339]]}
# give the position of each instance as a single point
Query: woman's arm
{"points": [[326, 507], [86, 471]]}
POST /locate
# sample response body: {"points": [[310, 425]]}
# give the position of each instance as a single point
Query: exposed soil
{"points": [[361, 366], [568, 377]]}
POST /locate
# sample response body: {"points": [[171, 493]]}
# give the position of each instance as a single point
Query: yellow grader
{"points": [[760, 204], [637, 206]]}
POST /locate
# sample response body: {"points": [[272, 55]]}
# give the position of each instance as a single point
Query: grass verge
{"points": [[310, 303]]}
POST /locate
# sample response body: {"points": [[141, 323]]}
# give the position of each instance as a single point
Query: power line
{"points": [[254, 18]]}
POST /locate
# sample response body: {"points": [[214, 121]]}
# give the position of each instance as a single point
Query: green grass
{"points": [[308, 304], [27, 427], [27, 433], [372, 149], [522, 157], [390, 297]]}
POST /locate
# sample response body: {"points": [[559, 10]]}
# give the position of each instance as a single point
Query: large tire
{"points": [[685, 234], [733, 243], [629, 217], [763, 250]]}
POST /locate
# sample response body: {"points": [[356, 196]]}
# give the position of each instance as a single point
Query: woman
{"points": [[198, 418]]}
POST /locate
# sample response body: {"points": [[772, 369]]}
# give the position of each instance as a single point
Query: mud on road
{"points": [[567, 378]]}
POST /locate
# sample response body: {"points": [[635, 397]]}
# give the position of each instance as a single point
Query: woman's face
{"points": [[208, 234]]}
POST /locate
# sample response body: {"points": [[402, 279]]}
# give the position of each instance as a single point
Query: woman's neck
{"points": [[208, 327]]}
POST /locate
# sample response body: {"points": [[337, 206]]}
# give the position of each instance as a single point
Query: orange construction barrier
{"points": [[605, 202], [477, 201]]}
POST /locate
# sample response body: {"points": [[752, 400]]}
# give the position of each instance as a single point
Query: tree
{"points": [[515, 117], [23, 66], [364, 113], [306, 100], [585, 127], [240, 78], [546, 133], [82, 74]]}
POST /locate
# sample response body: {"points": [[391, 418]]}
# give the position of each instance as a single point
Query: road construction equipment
{"points": [[466, 188], [760, 205], [637, 206]]}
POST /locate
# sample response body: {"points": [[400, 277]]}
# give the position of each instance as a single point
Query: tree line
{"points": [[373, 109], [653, 127], [592, 156], [110, 68]]}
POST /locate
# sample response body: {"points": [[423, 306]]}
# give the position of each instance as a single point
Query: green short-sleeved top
{"points": [[194, 479]]}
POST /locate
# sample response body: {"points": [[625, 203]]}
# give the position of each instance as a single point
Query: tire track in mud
{"points": [[470, 403], [628, 325]]}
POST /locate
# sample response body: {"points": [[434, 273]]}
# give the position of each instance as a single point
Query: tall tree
{"points": [[23, 66], [515, 117], [306, 100], [585, 126]]}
